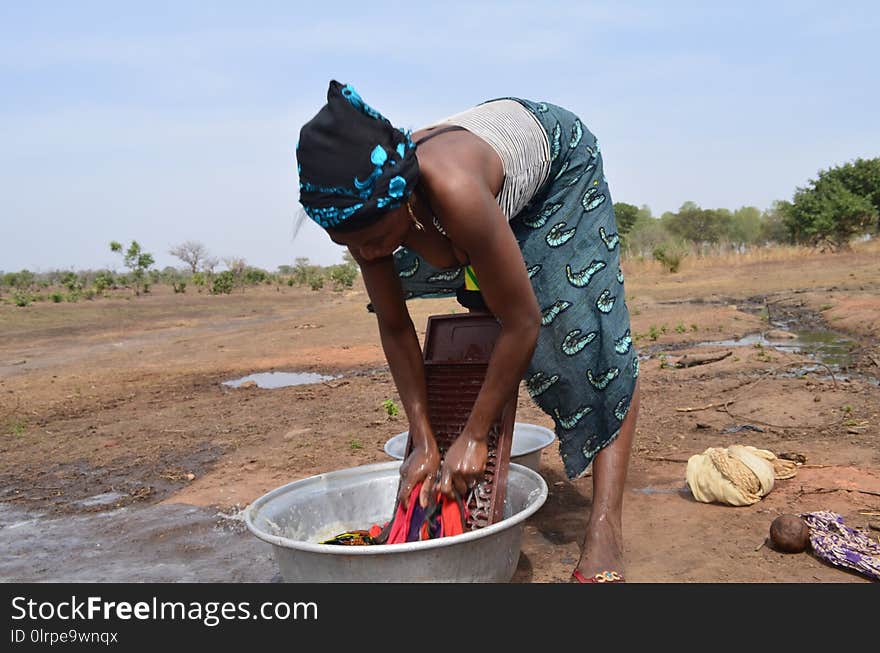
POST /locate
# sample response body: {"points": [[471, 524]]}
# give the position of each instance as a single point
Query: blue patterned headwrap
{"points": [[354, 165]]}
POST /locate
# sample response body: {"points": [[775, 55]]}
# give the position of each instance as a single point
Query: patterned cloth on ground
{"points": [[842, 546]]}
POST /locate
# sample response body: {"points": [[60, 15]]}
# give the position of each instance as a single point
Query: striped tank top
{"points": [[521, 143]]}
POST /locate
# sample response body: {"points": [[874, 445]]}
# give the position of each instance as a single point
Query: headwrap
{"points": [[354, 165]]}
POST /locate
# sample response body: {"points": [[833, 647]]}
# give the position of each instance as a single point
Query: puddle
{"points": [[273, 380], [826, 347]]}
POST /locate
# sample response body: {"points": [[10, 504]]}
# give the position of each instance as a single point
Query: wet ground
{"points": [[155, 544]]}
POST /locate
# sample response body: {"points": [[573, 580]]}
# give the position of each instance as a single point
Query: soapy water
{"points": [[274, 380]]}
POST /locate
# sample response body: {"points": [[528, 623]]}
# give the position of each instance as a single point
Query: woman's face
{"points": [[378, 240]]}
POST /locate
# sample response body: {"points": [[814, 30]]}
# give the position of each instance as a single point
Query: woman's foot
{"points": [[602, 552]]}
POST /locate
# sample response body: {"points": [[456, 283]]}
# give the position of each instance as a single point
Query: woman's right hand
{"points": [[422, 464]]}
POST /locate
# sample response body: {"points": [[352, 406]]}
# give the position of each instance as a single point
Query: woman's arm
{"points": [[476, 224], [404, 355]]}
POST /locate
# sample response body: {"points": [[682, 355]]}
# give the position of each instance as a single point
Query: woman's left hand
{"points": [[463, 465]]}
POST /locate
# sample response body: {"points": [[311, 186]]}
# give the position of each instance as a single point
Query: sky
{"points": [[166, 122]]}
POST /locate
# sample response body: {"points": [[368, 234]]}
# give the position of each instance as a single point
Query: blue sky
{"points": [[165, 122]]}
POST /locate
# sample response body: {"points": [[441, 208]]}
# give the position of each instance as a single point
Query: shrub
{"points": [[254, 276], [223, 283], [669, 256], [103, 281], [343, 275]]}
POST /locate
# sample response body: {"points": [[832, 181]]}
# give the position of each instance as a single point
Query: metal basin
{"points": [[294, 517], [528, 442]]}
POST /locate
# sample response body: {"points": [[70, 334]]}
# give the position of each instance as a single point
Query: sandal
{"points": [[601, 577]]}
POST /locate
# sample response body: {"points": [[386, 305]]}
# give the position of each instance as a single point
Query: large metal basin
{"points": [[294, 517], [528, 442]]}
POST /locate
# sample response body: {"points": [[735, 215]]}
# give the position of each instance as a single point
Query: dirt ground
{"points": [[119, 403]]}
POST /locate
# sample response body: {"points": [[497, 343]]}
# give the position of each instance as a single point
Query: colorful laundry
{"points": [[442, 518]]}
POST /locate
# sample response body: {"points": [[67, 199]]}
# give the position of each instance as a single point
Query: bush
{"points": [[254, 276], [316, 282], [223, 283], [669, 256], [21, 298], [71, 281], [179, 287], [56, 297], [343, 275], [104, 281]]}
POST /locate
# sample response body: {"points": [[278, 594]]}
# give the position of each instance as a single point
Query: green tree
{"points": [[627, 215], [861, 177], [745, 226], [645, 236], [773, 229], [699, 225], [136, 260], [828, 214]]}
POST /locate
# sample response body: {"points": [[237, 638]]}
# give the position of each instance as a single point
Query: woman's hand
{"points": [[422, 464], [463, 465]]}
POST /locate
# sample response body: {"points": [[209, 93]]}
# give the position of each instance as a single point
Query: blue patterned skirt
{"points": [[584, 369]]}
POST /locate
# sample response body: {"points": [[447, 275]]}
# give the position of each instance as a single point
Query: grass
{"points": [[355, 445], [17, 427], [390, 408]]}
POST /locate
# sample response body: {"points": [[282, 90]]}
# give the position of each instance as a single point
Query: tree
{"points": [[191, 252], [827, 214], [626, 215], [135, 260], [861, 177], [773, 228], [644, 237], [699, 225], [745, 226]]}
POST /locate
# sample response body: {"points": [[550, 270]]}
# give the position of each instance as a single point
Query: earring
{"points": [[415, 220]]}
